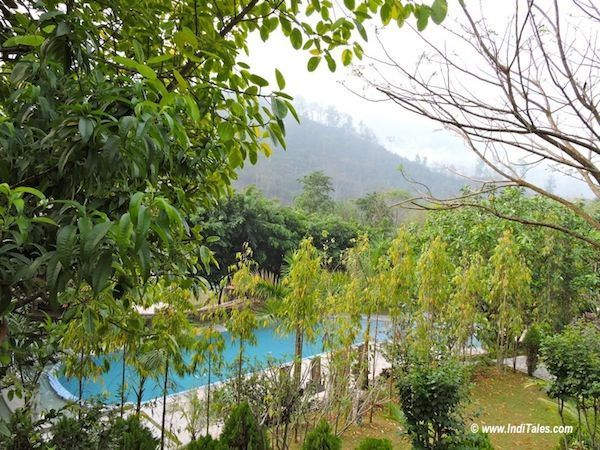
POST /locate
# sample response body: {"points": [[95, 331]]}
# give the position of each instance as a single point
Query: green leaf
{"points": [[313, 63], [422, 14], [94, 236], [361, 30], [350, 4], [347, 57], [180, 80], [280, 79], [86, 128], [4, 431], [44, 220], [439, 9], [330, 62], [386, 14], [259, 81], [134, 205], [159, 59], [146, 71], [29, 190], [89, 321], [29, 40], [185, 36], [296, 38], [279, 108], [65, 243], [20, 72], [102, 272], [225, 131]]}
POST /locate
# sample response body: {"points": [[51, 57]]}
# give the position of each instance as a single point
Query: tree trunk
{"points": [[123, 382], [239, 374], [208, 394], [164, 411], [298, 357], [139, 394]]}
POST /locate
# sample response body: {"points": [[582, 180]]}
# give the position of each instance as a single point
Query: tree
{"points": [[573, 357], [434, 272], [374, 209], [248, 218], [300, 309], [316, 193], [509, 294], [117, 121], [521, 95]]}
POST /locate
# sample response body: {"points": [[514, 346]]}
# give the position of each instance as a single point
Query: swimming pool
{"points": [[269, 345]]}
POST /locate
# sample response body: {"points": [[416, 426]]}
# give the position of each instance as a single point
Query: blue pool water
{"points": [[269, 345]]}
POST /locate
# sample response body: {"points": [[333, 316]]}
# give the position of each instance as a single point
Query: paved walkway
{"points": [[521, 366]]}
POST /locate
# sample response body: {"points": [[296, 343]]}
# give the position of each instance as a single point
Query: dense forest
{"points": [[354, 160]]}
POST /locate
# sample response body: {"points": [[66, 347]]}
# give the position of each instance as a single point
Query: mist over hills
{"points": [[354, 160]]}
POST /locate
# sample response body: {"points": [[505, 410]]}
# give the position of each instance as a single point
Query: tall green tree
{"points": [[301, 307], [434, 272], [510, 294], [316, 193]]}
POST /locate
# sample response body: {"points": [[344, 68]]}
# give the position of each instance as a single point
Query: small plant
{"points": [[375, 444], [130, 434], [71, 433], [322, 438], [242, 431], [206, 443]]}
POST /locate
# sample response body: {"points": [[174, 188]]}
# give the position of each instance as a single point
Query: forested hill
{"points": [[355, 161]]}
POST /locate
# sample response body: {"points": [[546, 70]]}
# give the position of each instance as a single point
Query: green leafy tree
{"points": [[243, 320], [374, 210], [434, 272], [300, 309], [573, 357], [316, 193], [470, 290], [509, 295]]}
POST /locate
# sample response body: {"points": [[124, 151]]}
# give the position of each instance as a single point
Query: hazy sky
{"points": [[399, 131]]}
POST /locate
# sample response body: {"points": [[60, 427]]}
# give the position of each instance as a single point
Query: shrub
{"points": [[242, 431], [71, 433], [375, 444], [471, 441], [205, 443], [130, 434], [430, 396], [531, 343], [322, 438]]}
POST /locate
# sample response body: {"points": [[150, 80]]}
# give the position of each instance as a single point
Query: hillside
{"points": [[356, 162]]}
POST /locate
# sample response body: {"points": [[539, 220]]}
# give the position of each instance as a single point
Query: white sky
{"points": [[399, 131]]}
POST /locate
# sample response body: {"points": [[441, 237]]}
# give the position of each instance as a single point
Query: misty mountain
{"points": [[355, 161]]}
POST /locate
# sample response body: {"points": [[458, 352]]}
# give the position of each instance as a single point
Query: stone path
{"points": [[521, 366]]}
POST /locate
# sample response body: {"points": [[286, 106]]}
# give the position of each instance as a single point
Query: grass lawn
{"points": [[498, 398]]}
